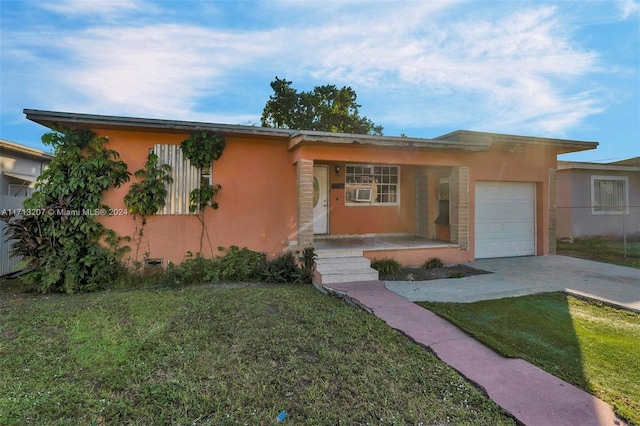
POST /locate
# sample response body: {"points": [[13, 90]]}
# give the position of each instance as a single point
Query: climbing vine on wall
{"points": [[148, 195], [61, 243], [202, 149]]}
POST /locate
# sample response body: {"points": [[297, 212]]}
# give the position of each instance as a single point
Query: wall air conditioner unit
{"points": [[363, 195]]}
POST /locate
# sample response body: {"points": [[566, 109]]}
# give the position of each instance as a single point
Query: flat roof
{"points": [[617, 166], [15, 147], [461, 139]]}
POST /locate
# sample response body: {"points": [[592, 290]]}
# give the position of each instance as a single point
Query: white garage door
{"points": [[505, 219]]}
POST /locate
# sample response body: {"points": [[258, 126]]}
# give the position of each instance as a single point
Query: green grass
{"points": [[205, 355], [591, 345], [603, 250]]}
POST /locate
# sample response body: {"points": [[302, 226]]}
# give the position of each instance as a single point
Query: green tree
{"points": [[62, 242], [326, 109]]}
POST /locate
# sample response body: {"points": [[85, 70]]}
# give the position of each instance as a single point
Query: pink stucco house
{"points": [[460, 196]]}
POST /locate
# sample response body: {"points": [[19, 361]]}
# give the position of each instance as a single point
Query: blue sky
{"points": [[563, 69]]}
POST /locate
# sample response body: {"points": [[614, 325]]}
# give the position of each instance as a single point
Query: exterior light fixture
{"points": [[516, 149], [337, 169]]}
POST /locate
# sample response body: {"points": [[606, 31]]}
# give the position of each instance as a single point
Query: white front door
{"points": [[320, 200]]}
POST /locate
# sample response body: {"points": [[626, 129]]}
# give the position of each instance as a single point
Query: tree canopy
{"points": [[326, 109]]}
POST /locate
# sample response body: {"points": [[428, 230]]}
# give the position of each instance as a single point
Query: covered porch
{"points": [[408, 249], [374, 242], [414, 211]]}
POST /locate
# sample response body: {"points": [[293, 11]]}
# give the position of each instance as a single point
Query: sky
{"points": [[559, 69]]}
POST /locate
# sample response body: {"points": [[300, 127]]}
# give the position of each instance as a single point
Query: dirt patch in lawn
{"points": [[423, 274]]}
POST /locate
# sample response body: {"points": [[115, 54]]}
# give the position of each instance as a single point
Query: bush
{"points": [[433, 263], [194, 270], [240, 265], [386, 266], [308, 261], [286, 269], [282, 269]]}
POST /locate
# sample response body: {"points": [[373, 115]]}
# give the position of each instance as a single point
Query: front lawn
{"points": [[603, 250], [593, 346], [205, 355]]}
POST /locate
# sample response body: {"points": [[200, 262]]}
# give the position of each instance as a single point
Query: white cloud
{"points": [[159, 70], [90, 7], [516, 69], [629, 9], [423, 62]]}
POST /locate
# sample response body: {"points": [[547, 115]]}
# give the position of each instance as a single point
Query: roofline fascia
{"points": [[310, 137], [574, 165], [15, 147], [46, 118], [573, 145]]}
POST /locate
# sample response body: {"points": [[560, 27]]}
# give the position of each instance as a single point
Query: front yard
{"points": [[593, 346], [205, 355]]}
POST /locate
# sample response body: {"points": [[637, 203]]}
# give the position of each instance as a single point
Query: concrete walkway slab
{"points": [[531, 395], [617, 285]]}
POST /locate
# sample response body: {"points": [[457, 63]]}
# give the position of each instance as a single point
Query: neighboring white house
{"points": [[20, 167], [598, 199]]}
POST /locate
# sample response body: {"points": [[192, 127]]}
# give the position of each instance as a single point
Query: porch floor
{"points": [[376, 242]]}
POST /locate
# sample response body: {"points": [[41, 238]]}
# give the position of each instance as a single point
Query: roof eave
{"points": [[305, 137], [574, 165], [562, 146], [51, 118], [33, 152]]}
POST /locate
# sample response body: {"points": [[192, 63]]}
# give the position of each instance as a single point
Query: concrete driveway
{"points": [[617, 285]]}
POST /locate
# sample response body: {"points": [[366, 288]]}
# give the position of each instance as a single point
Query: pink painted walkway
{"points": [[528, 393]]}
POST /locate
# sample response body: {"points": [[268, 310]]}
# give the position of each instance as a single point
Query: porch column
{"points": [[553, 213], [459, 199], [305, 203]]}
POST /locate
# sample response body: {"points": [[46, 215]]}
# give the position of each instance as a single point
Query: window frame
{"points": [[444, 215], [351, 186], [185, 179], [595, 207]]}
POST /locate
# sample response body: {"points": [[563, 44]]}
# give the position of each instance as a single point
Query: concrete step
{"points": [[333, 253], [345, 276], [340, 266], [342, 263]]}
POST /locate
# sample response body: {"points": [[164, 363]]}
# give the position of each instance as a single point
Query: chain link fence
{"points": [[619, 222]]}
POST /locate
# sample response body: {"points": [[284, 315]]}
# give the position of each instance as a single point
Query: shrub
{"points": [[308, 266], [386, 266], [194, 270], [433, 263], [240, 265], [282, 269], [286, 269], [64, 247]]}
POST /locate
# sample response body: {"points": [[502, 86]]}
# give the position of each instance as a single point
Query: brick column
{"points": [[459, 209], [305, 203], [553, 212]]}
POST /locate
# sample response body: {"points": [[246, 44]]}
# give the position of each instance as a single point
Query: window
{"points": [[16, 190], [186, 178], [609, 194], [443, 202], [372, 185]]}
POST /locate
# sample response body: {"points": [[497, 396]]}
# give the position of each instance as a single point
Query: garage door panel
{"points": [[505, 219]]}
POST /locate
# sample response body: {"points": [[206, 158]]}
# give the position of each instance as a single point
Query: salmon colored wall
{"points": [[257, 200], [417, 257], [531, 165], [345, 219], [355, 153]]}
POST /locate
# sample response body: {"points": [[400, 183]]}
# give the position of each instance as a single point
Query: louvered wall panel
{"points": [[186, 178]]}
